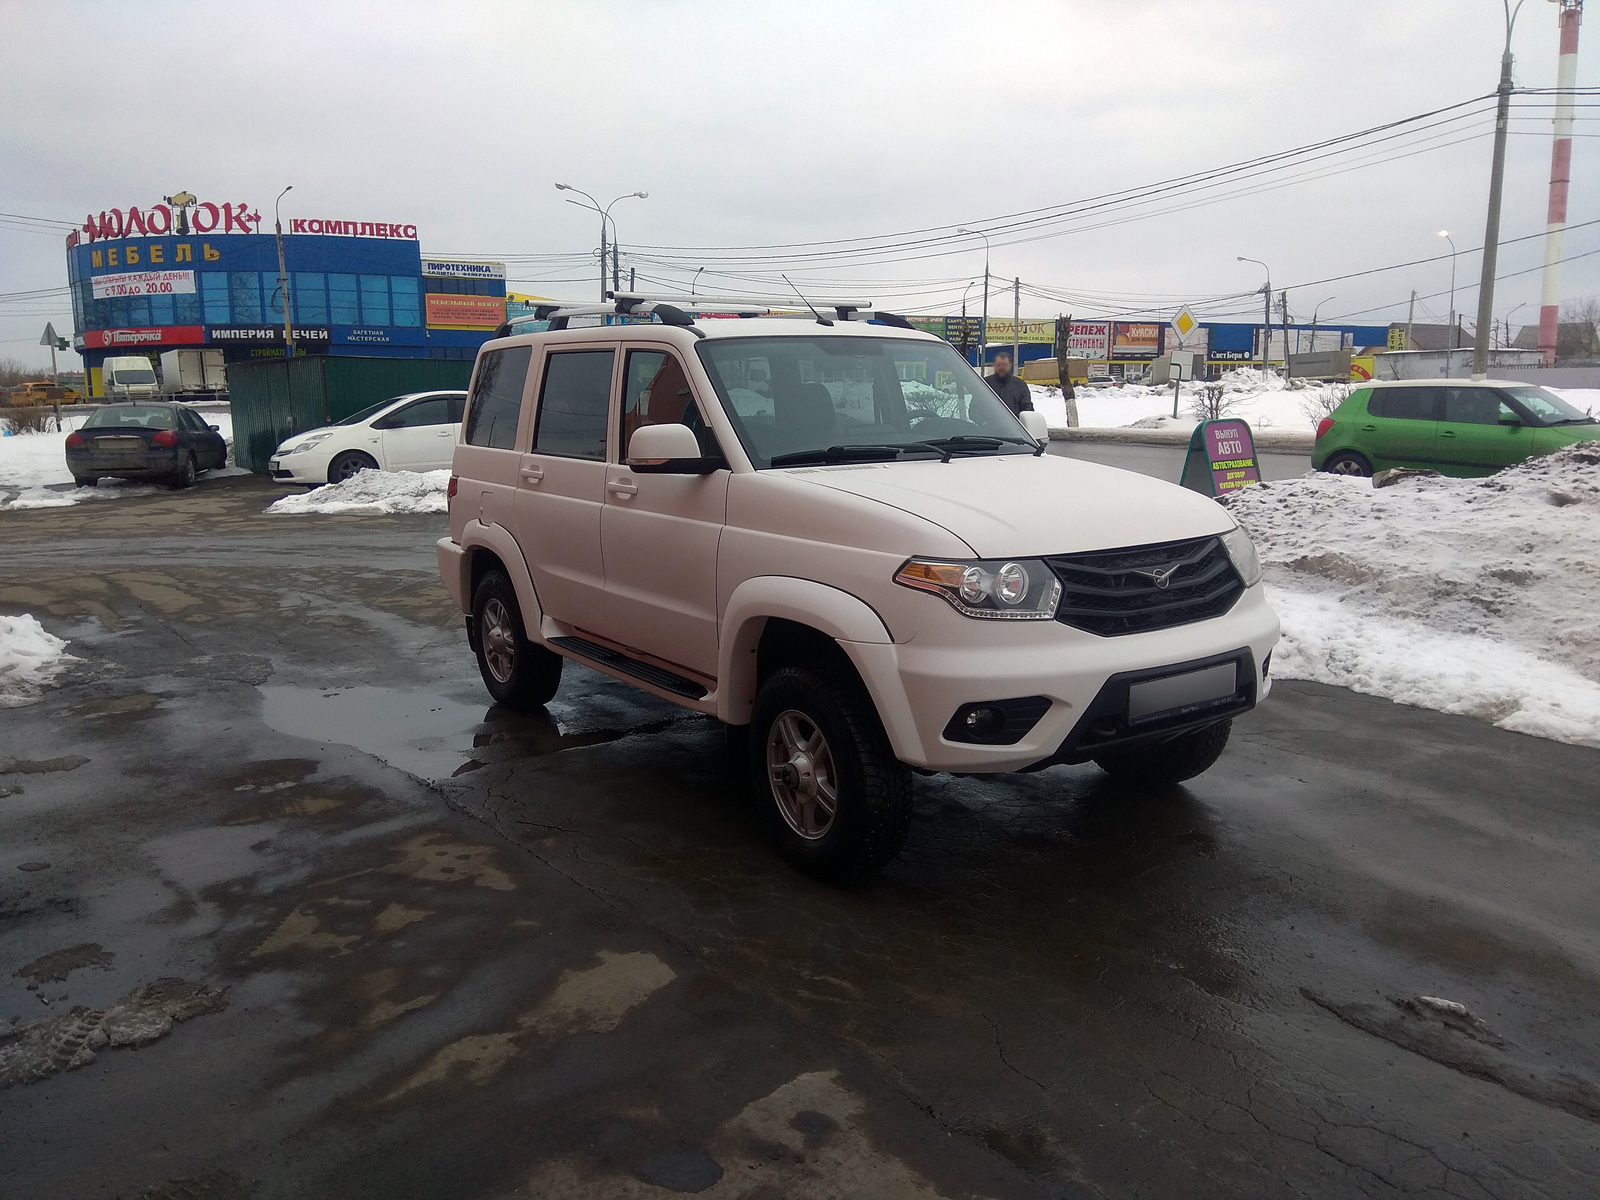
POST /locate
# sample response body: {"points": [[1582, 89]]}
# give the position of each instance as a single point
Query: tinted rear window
{"points": [[126, 415], [573, 403], [1403, 404], [496, 399]]}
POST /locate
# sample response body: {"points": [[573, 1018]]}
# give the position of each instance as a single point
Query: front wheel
{"points": [[348, 464], [518, 674], [1183, 757], [837, 800], [1347, 462]]}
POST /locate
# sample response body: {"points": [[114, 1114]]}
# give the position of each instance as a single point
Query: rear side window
{"points": [[573, 402], [496, 399], [1404, 404]]}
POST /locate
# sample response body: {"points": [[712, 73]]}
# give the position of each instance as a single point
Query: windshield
{"points": [[133, 375], [372, 410], [1545, 406], [795, 400], [124, 416]]}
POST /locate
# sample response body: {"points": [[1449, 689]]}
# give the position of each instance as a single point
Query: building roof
{"points": [[1436, 337]]}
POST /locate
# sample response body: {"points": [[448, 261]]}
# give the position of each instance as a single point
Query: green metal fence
{"points": [[276, 398]]}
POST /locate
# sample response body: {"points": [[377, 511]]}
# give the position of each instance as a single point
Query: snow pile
{"points": [[1265, 402], [373, 492], [30, 657], [33, 467], [1470, 596]]}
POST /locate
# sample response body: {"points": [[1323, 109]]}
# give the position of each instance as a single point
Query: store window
{"points": [[344, 306], [310, 294], [374, 299], [272, 293], [214, 294], [186, 309], [161, 310], [407, 306], [244, 295]]}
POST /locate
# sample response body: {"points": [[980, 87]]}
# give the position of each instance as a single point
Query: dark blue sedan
{"points": [[144, 441]]}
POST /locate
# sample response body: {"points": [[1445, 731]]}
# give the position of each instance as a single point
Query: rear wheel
{"points": [[184, 476], [85, 480], [348, 464], [1347, 462], [837, 800], [1182, 758], [518, 674]]}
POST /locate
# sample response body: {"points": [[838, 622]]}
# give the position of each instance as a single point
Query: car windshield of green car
{"points": [[1548, 408], [802, 401]]}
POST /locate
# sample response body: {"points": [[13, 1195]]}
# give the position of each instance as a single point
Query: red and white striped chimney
{"points": [[1560, 178]]}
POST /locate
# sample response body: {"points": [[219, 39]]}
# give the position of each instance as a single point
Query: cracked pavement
{"points": [[450, 951]]}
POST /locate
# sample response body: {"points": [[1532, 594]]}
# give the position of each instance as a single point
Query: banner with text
{"points": [[142, 283]]}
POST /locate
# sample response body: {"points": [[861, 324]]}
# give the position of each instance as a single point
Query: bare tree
{"points": [[13, 371], [1583, 341], [1212, 403]]}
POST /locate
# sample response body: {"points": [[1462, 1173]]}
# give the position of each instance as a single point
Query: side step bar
{"points": [[654, 676]]}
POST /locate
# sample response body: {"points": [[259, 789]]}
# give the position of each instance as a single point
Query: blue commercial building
{"points": [[202, 276]]}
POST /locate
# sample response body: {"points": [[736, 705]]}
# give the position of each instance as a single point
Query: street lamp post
{"points": [[1314, 313], [1445, 234], [283, 275], [983, 334], [1266, 327], [1505, 337], [966, 335], [1497, 175], [605, 215]]}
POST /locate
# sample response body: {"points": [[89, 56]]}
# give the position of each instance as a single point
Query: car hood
{"points": [[1013, 506]]}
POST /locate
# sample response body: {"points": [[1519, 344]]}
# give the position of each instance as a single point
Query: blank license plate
{"points": [[118, 443], [1156, 696]]}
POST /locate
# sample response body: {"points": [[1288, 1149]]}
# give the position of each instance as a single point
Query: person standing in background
{"points": [[1004, 383]]}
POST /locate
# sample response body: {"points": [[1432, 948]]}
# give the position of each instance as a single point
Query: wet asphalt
{"points": [[287, 909]]}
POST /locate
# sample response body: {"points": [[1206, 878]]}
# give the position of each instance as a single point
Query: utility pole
{"points": [[1016, 323], [983, 336], [1283, 303], [1560, 179], [1410, 316], [632, 272], [1497, 175], [1266, 310], [283, 275]]}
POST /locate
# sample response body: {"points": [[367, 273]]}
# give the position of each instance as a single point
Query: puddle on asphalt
{"points": [[420, 732]]}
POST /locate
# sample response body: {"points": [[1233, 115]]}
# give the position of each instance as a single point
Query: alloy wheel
{"points": [[804, 782], [499, 640]]}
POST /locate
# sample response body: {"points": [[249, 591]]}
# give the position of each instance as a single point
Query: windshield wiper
{"points": [[984, 441], [832, 454], [1576, 421]]}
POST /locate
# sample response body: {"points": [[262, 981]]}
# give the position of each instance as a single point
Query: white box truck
{"points": [[191, 371]]}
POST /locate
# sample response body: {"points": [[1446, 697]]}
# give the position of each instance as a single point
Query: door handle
{"points": [[623, 488], [1447, 433], [531, 474], [445, 433], [1368, 428]]}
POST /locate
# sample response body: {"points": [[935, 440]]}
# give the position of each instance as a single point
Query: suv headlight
{"points": [[1242, 551], [1021, 589]]}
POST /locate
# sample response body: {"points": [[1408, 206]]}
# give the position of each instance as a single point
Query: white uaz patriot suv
{"points": [[835, 539]]}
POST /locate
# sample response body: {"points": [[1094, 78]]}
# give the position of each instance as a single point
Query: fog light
{"points": [[984, 722]]}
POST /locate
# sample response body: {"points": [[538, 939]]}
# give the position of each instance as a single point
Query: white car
{"points": [[834, 538], [414, 432]]}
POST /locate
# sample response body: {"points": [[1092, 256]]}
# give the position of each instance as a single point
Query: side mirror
{"points": [[1034, 422], [213, 428], [668, 450]]}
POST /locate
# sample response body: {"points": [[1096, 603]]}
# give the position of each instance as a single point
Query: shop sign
{"points": [[456, 269], [233, 335], [370, 335], [158, 219], [166, 335], [365, 229], [1221, 458], [1089, 339], [1231, 343], [143, 283], [446, 310], [1135, 339], [1005, 329]]}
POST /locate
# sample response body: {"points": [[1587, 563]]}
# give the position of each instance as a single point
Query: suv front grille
{"points": [[1135, 590]]}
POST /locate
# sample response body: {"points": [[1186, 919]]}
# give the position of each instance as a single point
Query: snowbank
{"points": [[1472, 596], [373, 492], [30, 657], [33, 467], [1267, 403]]}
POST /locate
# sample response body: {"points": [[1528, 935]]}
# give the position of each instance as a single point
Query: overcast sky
{"points": [[764, 124]]}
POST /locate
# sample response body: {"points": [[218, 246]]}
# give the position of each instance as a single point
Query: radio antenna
{"points": [[821, 320]]}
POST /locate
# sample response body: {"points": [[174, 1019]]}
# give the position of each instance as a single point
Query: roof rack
{"points": [[683, 310]]}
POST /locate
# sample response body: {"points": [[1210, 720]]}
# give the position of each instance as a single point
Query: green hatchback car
{"points": [[1453, 426]]}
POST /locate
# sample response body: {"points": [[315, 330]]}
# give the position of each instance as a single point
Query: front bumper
{"points": [[953, 661], [307, 469]]}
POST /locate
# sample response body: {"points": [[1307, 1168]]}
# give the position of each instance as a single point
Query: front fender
{"points": [[841, 616]]}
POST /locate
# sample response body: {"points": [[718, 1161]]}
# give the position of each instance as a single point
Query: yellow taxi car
{"points": [[43, 392]]}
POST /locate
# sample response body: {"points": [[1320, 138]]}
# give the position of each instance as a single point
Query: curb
{"points": [[1281, 440]]}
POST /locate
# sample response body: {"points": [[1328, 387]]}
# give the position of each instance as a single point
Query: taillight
{"points": [[450, 492], [166, 437], [75, 440], [1324, 425]]}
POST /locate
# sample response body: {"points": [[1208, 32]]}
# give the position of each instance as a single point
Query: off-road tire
{"points": [[1184, 757], [873, 810], [183, 478], [1348, 462], [530, 679], [345, 465]]}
